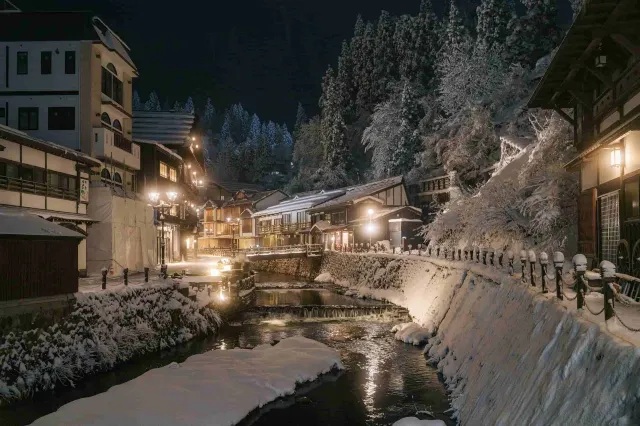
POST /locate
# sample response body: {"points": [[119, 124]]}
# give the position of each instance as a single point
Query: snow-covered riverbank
{"points": [[219, 387], [104, 329], [509, 354]]}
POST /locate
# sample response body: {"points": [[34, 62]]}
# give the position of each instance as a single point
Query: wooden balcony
{"points": [[284, 228], [37, 188]]}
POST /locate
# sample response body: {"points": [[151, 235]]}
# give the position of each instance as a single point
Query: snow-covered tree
{"points": [[177, 106], [365, 64], [381, 137], [153, 103], [344, 82], [534, 34], [385, 64], [404, 44], [422, 55], [493, 19], [136, 104], [404, 156], [209, 115], [188, 106], [301, 118], [576, 6]]}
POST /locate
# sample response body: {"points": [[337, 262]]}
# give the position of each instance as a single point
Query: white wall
{"points": [[67, 138], [34, 80]]}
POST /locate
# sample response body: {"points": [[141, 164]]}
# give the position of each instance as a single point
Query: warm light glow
{"points": [[221, 296], [214, 272], [200, 182], [193, 138], [616, 157], [228, 219], [197, 210], [371, 228], [227, 267], [197, 146], [154, 196], [194, 173], [171, 195], [370, 212], [188, 166]]}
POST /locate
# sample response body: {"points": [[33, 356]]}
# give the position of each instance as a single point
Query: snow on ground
{"points": [[214, 388], [414, 421], [411, 333], [104, 329]]}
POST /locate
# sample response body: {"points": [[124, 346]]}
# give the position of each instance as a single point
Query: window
{"points": [[111, 86], [116, 125], [104, 174], [22, 63], [3, 112], [632, 199], [45, 62], [72, 183], [38, 175], [105, 118], [27, 173], [27, 118], [286, 218], [70, 62], [9, 170], [164, 170], [117, 178], [53, 179], [222, 198], [62, 118], [173, 175]]}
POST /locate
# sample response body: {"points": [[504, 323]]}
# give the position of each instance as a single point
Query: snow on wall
{"points": [[103, 329], [509, 355]]}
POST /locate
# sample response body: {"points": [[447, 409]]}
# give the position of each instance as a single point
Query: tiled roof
{"points": [[163, 127], [301, 201], [353, 193]]}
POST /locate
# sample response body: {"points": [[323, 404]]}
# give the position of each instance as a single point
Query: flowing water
{"points": [[383, 381]]}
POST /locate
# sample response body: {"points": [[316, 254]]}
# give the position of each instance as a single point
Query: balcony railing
{"points": [[37, 188], [121, 142], [283, 228]]}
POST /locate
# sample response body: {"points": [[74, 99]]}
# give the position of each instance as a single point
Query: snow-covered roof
{"points": [[162, 148], [163, 127], [297, 202], [386, 212], [111, 40], [352, 193], [13, 135], [17, 222]]}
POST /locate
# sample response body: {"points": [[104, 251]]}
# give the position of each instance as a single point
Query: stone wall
{"points": [[509, 354], [303, 267]]}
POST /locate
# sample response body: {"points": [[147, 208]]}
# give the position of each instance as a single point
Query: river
{"points": [[383, 381]]}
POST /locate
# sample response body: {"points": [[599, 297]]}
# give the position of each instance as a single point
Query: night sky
{"points": [[266, 54]]}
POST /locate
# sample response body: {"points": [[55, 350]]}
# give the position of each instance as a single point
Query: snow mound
{"points": [[214, 388], [411, 333], [325, 277], [414, 421]]}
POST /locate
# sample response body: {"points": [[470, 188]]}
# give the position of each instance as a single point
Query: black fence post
{"points": [[523, 264], [104, 278], [532, 266], [510, 258], [500, 257], [580, 266], [484, 256], [608, 274], [558, 262], [544, 261], [492, 255], [459, 254], [477, 254], [146, 274], [125, 271], [438, 251], [466, 253]]}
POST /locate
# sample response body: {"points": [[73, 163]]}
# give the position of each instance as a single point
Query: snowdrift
{"points": [[214, 388], [509, 354]]}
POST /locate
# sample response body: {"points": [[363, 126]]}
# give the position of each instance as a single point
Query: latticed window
{"points": [[164, 170], [609, 226]]}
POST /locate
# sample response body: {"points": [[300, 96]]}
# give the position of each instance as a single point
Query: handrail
{"points": [[37, 188], [284, 227]]}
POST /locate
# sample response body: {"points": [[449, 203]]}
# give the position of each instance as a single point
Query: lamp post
{"points": [[232, 223], [154, 197], [370, 226]]}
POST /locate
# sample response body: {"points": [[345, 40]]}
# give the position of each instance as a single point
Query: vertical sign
{"points": [[84, 190]]}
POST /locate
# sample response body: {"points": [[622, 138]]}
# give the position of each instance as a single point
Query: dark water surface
{"points": [[383, 381]]}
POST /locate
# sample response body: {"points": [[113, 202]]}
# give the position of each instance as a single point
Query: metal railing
{"points": [[299, 248], [119, 141]]}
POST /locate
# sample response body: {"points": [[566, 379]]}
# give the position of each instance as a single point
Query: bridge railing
{"points": [[299, 248], [537, 269]]}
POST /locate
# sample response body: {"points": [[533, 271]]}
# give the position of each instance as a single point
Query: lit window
{"points": [[164, 170], [173, 175]]}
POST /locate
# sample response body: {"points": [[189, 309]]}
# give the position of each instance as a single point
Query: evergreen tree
{"points": [[493, 19], [455, 32], [344, 82], [404, 44], [404, 156], [177, 107], [426, 45], [301, 118], [534, 34], [336, 154], [153, 103], [165, 105], [365, 71], [254, 131], [271, 134], [209, 115], [225, 131], [188, 106], [385, 65], [136, 104]]}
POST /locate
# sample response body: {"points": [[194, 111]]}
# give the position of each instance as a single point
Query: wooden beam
{"points": [[600, 76], [628, 45], [566, 116], [580, 97]]}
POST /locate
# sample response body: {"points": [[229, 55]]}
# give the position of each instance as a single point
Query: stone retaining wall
{"points": [[303, 267]]}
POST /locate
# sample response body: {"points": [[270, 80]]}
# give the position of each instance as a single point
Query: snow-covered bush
{"points": [[104, 329]]}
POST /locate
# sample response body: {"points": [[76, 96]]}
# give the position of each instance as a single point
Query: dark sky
{"points": [[266, 54]]}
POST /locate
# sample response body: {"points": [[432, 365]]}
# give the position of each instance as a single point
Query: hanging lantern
{"points": [[616, 157], [601, 58]]}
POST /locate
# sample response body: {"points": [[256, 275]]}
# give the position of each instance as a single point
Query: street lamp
{"points": [[154, 197], [232, 223], [370, 226]]}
